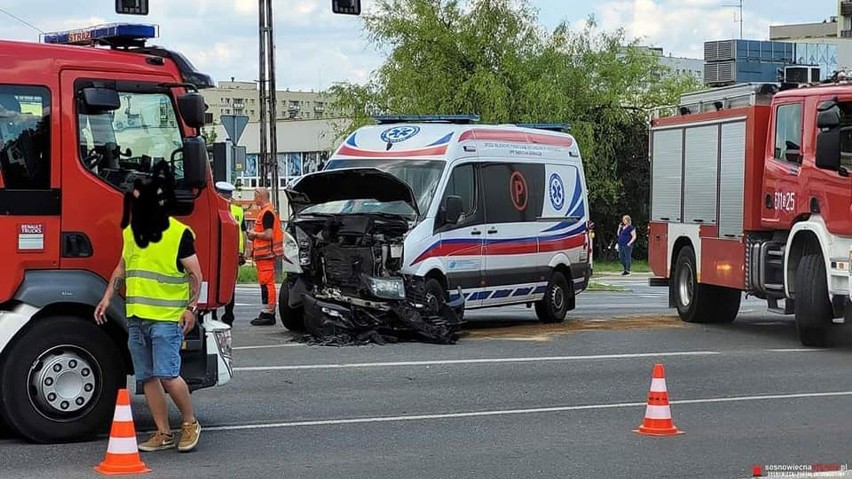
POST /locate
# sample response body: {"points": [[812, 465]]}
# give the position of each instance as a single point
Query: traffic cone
{"points": [[658, 415], [122, 456]]}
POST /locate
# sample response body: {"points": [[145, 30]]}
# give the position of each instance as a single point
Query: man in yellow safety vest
{"points": [[162, 276]]}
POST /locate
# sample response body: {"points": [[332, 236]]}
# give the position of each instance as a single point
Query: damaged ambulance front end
{"points": [[344, 262]]}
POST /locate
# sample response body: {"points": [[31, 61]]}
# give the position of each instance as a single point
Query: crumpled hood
{"points": [[349, 184]]}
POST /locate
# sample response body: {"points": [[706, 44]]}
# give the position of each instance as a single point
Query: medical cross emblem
{"points": [[557, 192], [399, 133]]}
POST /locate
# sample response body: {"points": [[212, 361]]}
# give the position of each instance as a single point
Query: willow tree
{"points": [[494, 59]]}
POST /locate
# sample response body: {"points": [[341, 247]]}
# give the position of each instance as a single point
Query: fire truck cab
{"points": [[78, 124], [751, 193]]}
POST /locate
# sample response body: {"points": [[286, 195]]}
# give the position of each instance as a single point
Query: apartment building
{"points": [[243, 98]]}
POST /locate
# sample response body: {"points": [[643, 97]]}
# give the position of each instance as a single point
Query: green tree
{"points": [[493, 58], [209, 135]]}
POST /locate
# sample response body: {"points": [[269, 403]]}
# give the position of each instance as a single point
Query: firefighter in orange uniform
{"points": [[267, 241]]}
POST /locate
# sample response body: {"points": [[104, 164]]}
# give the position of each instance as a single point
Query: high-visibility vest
{"points": [[265, 249], [156, 289], [239, 214]]}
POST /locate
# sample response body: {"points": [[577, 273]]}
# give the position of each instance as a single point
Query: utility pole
{"points": [[262, 158], [268, 116], [273, 116]]}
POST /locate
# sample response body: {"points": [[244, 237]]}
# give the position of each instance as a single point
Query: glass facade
{"points": [[821, 55], [291, 166]]}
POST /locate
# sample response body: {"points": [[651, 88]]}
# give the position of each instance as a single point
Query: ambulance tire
{"points": [[60, 340], [701, 303], [813, 309], [292, 318], [435, 294], [557, 296]]}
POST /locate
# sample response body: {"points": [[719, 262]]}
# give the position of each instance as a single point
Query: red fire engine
{"points": [[78, 125], [751, 193]]}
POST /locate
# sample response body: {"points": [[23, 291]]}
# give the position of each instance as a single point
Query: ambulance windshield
{"points": [[421, 175]]}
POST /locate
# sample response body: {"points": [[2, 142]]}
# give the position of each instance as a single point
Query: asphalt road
{"points": [[512, 399]]}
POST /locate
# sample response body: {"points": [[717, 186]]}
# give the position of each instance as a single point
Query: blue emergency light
{"points": [[458, 119], [109, 34]]}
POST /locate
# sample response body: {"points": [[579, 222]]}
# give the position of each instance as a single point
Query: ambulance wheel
{"points": [[292, 318], [813, 309], [701, 303], [557, 296], [435, 295], [60, 380]]}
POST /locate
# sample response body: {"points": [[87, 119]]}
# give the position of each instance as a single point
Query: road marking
{"points": [[509, 412], [264, 346], [474, 361], [798, 350]]}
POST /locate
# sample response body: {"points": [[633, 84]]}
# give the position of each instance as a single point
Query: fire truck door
{"points": [[29, 182], [105, 150], [783, 164]]}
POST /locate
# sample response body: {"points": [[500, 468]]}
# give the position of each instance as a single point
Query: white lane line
{"points": [[508, 412], [264, 346], [798, 350], [474, 361]]}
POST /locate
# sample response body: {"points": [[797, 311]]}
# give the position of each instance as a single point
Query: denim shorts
{"points": [[154, 348]]}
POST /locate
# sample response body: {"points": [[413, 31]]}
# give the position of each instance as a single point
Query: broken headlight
{"points": [[386, 288]]}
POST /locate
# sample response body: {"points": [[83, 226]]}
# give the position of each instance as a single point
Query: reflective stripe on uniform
{"points": [[166, 303], [162, 278]]}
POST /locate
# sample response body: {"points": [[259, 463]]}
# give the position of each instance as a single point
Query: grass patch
{"points": [[638, 266], [596, 286], [248, 275]]}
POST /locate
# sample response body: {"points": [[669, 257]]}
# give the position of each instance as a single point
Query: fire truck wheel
{"points": [[813, 309], [60, 380], [292, 318], [701, 303], [554, 306]]}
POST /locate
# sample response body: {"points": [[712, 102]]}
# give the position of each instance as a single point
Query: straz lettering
{"points": [[785, 201]]}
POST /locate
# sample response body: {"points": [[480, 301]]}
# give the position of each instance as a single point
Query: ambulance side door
{"points": [[514, 192], [461, 243]]}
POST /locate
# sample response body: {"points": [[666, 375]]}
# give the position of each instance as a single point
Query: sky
{"points": [[315, 48]]}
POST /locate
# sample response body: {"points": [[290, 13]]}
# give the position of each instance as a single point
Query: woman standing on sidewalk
{"points": [[626, 238]]}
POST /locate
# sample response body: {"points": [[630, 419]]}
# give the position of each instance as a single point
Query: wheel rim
{"points": [[557, 299], [685, 284], [63, 382], [432, 302]]}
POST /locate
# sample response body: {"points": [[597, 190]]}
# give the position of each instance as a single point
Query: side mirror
{"points": [[828, 149], [829, 118], [453, 209], [192, 109], [195, 162], [100, 99]]}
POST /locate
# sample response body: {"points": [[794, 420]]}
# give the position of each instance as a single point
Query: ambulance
{"points": [[440, 210]]}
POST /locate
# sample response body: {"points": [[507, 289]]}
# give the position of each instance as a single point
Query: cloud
{"points": [[314, 47], [680, 26]]}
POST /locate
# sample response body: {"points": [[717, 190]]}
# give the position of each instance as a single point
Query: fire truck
{"points": [[750, 192], [79, 123]]}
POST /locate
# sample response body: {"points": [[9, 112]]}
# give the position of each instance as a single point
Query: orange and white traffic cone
{"points": [[658, 414], [122, 456]]}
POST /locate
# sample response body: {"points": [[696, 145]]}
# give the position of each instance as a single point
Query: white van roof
{"points": [[431, 140]]}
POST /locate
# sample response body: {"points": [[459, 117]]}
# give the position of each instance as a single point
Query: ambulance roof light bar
{"points": [[112, 34], [455, 119], [560, 127]]}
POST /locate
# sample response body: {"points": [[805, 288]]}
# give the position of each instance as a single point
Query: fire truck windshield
{"points": [[122, 145]]}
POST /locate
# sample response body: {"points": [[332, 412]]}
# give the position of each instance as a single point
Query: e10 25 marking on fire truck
{"points": [[785, 200]]}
